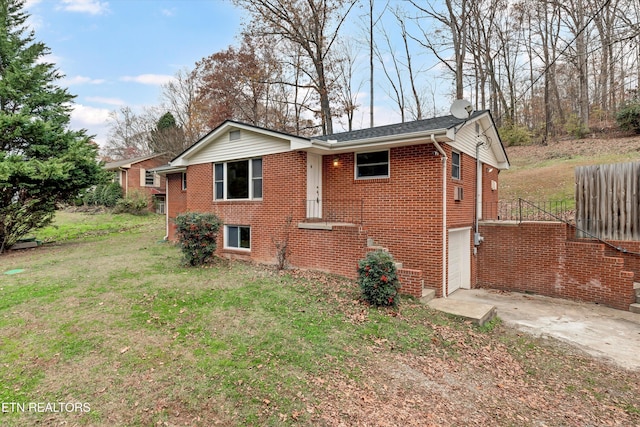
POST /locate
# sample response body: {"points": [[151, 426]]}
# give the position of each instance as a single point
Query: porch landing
{"points": [[478, 313]]}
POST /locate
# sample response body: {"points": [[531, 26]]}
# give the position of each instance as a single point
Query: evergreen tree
{"points": [[42, 161], [167, 137]]}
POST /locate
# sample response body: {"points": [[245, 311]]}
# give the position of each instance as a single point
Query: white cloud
{"points": [[89, 116], [95, 120], [168, 12], [149, 79], [107, 101], [80, 80], [93, 7]]}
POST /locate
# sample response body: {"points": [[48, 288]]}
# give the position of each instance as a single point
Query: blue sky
{"points": [[118, 52]]}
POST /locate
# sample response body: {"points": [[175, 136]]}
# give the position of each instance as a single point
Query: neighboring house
{"points": [[136, 175], [416, 189]]}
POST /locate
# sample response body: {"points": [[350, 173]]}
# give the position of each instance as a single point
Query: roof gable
{"points": [[252, 141]]}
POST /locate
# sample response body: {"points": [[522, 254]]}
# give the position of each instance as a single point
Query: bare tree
{"points": [[179, 97], [313, 25], [455, 20], [344, 67], [128, 134], [393, 74]]}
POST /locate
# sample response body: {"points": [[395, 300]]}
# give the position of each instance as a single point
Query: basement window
{"points": [[237, 237]]}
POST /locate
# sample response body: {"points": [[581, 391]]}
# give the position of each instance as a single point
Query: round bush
{"points": [[378, 279], [197, 233]]}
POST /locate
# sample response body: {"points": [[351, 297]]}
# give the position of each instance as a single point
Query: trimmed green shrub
{"points": [[135, 203], [628, 117], [197, 234], [378, 279]]}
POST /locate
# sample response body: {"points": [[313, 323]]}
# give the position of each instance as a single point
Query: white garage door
{"points": [[459, 272]]}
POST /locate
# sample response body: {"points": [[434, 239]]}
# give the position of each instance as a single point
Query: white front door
{"points": [[314, 185], [459, 271]]}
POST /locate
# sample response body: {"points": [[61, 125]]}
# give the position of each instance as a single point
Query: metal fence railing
{"points": [[335, 210], [525, 210]]}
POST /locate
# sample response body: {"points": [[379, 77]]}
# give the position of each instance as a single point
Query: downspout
{"points": [[166, 206], [444, 214], [476, 234]]}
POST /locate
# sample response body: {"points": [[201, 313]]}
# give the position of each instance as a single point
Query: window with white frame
{"points": [[184, 180], [372, 165], [455, 165], [238, 180], [237, 237]]}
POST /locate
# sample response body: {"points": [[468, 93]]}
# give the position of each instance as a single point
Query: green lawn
{"points": [[107, 324]]}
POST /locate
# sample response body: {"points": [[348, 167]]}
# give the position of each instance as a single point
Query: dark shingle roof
{"points": [[444, 122]]}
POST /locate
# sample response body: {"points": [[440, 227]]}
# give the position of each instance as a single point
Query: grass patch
{"points": [[115, 321], [70, 226]]}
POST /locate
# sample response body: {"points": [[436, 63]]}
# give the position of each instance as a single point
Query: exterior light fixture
{"points": [[336, 161]]}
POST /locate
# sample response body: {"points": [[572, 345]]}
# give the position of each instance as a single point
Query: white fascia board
{"points": [[171, 170], [383, 142]]}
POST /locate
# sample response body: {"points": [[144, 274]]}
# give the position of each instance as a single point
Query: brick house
{"points": [[414, 188], [136, 175]]}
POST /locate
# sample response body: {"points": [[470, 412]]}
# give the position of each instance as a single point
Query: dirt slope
{"points": [[546, 172]]}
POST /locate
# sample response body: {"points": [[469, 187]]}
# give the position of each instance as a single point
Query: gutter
{"points": [[444, 214], [166, 208], [386, 140]]}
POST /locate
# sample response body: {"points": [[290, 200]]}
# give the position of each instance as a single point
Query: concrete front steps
{"points": [[635, 307]]}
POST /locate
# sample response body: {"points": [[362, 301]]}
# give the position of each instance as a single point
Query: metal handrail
{"points": [[335, 210]]}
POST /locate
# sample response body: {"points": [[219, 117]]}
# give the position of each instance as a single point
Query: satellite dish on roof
{"points": [[461, 109]]}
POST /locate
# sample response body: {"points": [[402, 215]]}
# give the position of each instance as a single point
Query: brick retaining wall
{"points": [[539, 257]]}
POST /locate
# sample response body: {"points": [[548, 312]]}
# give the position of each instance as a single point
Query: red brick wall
{"points": [[538, 257], [133, 178], [631, 257], [284, 193], [402, 213]]}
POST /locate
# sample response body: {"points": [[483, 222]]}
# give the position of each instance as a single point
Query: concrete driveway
{"points": [[600, 331]]}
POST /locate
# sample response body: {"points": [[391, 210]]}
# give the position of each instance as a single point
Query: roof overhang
{"points": [[168, 169], [381, 142]]}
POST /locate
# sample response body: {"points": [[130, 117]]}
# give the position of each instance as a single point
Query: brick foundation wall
{"points": [[538, 257]]}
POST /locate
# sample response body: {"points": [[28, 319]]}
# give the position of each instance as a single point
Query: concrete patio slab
{"points": [[478, 313], [600, 331]]}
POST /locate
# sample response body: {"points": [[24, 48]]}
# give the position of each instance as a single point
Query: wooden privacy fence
{"points": [[607, 201]]}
